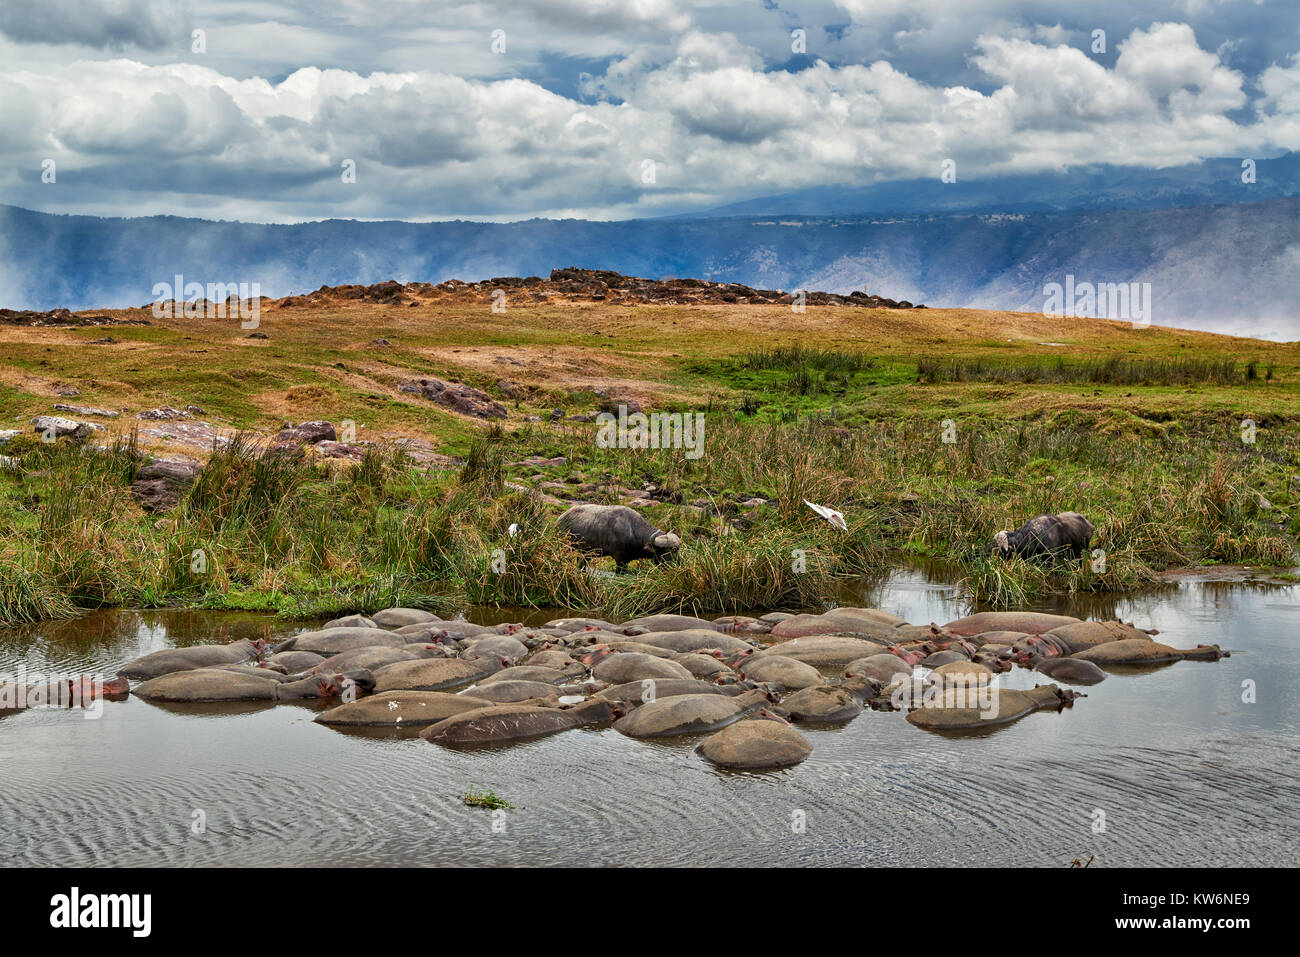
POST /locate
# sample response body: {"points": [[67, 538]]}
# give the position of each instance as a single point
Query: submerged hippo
{"points": [[959, 709], [550, 676], [689, 714], [1083, 635], [695, 639], [636, 693], [296, 661], [216, 684], [169, 660], [398, 708], [1024, 622], [1074, 670], [883, 667], [652, 623], [784, 672], [764, 741], [434, 674], [513, 722], [335, 641], [1144, 651], [398, 617], [351, 621], [703, 666], [831, 703], [1068, 533], [842, 621], [619, 532], [619, 667], [511, 692], [824, 651]]}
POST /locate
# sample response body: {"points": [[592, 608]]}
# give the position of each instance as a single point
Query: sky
{"points": [[291, 110]]}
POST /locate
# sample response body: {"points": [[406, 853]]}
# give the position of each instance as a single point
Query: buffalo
{"points": [[619, 532], [1052, 535]]}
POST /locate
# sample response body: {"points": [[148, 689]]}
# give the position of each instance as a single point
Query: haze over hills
{"points": [[1225, 268], [1101, 186]]}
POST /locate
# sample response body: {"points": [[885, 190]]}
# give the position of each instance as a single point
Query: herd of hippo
{"points": [[744, 683]]}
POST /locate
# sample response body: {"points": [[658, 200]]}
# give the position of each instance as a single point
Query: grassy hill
{"points": [[1141, 429]]}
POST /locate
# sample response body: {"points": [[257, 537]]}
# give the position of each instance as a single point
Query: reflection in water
{"points": [[1184, 770]]}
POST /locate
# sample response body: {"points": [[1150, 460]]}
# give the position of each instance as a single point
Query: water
{"points": [[1184, 772]]}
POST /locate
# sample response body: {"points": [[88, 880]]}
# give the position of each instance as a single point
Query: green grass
{"points": [[485, 799]]}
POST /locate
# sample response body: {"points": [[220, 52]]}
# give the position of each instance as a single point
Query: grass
{"points": [[1140, 430], [486, 799]]}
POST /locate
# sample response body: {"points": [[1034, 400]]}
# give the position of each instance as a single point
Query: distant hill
{"points": [[1210, 182], [1226, 268]]}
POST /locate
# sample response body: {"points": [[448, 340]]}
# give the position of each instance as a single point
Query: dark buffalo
{"points": [[619, 532], [1068, 532]]}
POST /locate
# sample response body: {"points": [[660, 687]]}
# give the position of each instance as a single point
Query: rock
{"points": [[308, 433], [457, 397], [159, 484], [257, 335], [166, 413], [83, 410], [53, 425], [339, 450]]}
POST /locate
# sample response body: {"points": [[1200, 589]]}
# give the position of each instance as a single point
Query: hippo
{"points": [[405, 708], [296, 661], [550, 676], [742, 625], [1074, 670], [951, 710], [689, 714], [666, 623], [764, 741], [502, 646], [433, 674], [939, 658], [963, 672], [842, 621], [350, 621], [883, 667], [1026, 622], [169, 660], [622, 647], [635, 693], [1050, 535], [551, 658], [511, 692], [785, 673], [617, 668], [504, 723], [399, 617], [1087, 634], [372, 659], [825, 651], [695, 639], [335, 641], [1144, 651], [831, 704], [930, 632], [619, 532], [214, 684], [703, 666]]}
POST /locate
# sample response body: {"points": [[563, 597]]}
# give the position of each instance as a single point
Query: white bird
{"points": [[835, 518], [513, 530]]}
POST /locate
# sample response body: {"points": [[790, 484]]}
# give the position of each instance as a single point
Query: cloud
{"points": [[715, 119], [104, 24]]}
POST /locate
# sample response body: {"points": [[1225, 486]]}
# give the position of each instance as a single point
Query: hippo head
{"points": [[329, 686], [770, 716], [664, 546], [596, 655]]}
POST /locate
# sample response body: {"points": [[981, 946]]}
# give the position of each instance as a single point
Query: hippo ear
{"points": [[666, 542]]}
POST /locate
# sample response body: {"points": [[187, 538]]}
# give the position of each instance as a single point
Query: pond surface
{"points": [[1184, 771]]}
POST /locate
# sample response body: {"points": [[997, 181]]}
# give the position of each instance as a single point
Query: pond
{"points": [[1170, 766]]}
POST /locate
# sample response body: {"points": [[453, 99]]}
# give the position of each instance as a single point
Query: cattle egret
{"points": [[832, 516]]}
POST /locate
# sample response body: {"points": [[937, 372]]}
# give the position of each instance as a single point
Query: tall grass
{"points": [[1112, 370]]}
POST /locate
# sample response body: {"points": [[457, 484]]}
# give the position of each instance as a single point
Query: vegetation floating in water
{"points": [[487, 799]]}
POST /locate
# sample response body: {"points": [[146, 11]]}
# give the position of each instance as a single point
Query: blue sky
{"points": [[611, 108]]}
